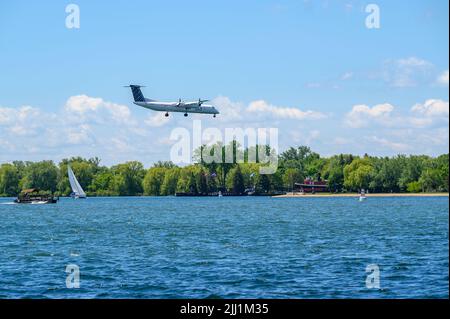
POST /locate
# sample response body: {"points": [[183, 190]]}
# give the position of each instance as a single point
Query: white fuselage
{"points": [[183, 107]]}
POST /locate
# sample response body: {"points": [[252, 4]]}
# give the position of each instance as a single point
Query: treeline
{"points": [[344, 173]]}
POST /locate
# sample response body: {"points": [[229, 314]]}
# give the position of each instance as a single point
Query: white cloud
{"points": [[157, 120], [304, 138], [263, 108], [85, 126], [6, 145], [362, 115], [431, 112], [120, 145], [432, 108], [347, 76], [165, 141], [443, 78], [407, 72], [21, 130], [79, 135], [89, 126], [437, 137], [395, 146], [421, 130], [340, 141], [21, 121], [5, 115], [413, 62], [229, 111], [96, 109], [420, 122], [21, 114], [83, 104], [422, 140]]}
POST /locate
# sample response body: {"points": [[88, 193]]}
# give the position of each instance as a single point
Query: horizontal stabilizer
{"points": [[137, 93]]}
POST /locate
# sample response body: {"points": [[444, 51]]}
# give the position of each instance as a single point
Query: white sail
{"points": [[76, 187]]}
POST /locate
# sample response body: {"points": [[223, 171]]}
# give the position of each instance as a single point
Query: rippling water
{"points": [[225, 248]]}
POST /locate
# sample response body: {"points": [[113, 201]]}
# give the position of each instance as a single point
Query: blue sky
{"points": [[381, 91]]}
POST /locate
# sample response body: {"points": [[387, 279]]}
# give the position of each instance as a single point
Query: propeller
{"points": [[200, 101]]}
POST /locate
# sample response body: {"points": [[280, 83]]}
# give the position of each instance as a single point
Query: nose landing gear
{"points": [[166, 115], [214, 116], [185, 114]]}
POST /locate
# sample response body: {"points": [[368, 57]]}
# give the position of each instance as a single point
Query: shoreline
{"points": [[298, 195], [289, 195]]}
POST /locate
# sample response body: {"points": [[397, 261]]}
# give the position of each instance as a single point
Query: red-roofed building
{"points": [[311, 186]]}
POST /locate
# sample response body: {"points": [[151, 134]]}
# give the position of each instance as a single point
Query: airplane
{"points": [[180, 106]]}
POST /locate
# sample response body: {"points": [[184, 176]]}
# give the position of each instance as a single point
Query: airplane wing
{"points": [[195, 104]]}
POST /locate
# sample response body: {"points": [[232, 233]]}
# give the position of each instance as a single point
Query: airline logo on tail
{"points": [[137, 93]]}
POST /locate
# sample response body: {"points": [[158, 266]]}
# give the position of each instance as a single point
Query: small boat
{"points": [[77, 190], [362, 195], [35, 197], [250, 191]]}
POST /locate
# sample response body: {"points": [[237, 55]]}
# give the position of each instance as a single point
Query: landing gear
{"points": [[166, 115], [185, 114], [214, 115]]}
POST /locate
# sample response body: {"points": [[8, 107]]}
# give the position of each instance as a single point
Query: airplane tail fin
{"points": [[137, 93]]}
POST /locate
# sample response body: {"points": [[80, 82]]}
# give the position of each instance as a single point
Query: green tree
{"points": [[411, 171], [42, 175], [314, 167], [301, 158], [21, 168], [165, 164], [183, 180], [276, 181], [430, 180], [388, 174], [434, 177], [249, 173], [290, 177], [333, 171], [212, 182], [414, 187], [192, 183], [343, 172], [102, 184], [153, 181], [219, 158], [443, 167], [358, 174], [235, 181], [119, 186], [263, 184], [169, 185], [9, 180], [128, 178], [202, 182]]}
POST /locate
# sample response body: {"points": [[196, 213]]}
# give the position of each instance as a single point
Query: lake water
{"points": [[248, 247]]}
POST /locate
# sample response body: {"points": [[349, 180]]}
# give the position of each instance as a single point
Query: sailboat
{"points": [[77, 190]]}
